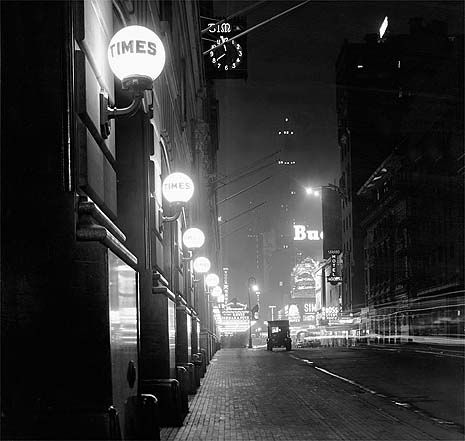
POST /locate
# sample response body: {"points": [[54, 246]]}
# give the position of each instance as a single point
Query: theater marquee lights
{"points": [[301, 233]]}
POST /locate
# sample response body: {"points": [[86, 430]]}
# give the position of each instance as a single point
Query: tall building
{"points": [[279, 245], [375, 91], [367, 113], [415, 215], [331, 220]]}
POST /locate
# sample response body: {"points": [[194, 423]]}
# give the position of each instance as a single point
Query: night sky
{"points": [[291, 73]]}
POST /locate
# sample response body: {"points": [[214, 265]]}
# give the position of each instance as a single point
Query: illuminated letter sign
{"points": [[301, 233], [309, 307]]}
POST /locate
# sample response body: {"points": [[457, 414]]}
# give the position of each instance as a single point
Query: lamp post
{"points": [[272, 307], [252, 286], [136, 56], [316, 191]]}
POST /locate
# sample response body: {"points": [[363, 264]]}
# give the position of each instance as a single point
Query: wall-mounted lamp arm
{"points": [[171, 218], [136, 85], [337, 189], [125, 112], [189, 256], [107, 113]]}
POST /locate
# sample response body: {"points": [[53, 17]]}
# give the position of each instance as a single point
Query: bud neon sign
{"points": [[301, 233]]}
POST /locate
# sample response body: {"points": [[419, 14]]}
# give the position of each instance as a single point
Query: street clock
{"points": [[227, 55]]}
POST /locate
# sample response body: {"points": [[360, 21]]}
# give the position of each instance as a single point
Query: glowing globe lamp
{"points": [[193, 238], [216, 291], [136, 54], [178, 187], [212, 280], [201, 265]]}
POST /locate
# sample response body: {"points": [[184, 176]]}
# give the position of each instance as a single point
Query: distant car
{"points": [[278, 335]]}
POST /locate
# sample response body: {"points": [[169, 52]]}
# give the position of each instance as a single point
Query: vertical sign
{"points": [[226, 284], [333, 278]]}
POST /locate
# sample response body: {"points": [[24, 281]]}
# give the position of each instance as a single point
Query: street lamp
{"points": [[202, 265], [136, 56], [316, 191], [216, 291], [193, 238], [252, 286], [272, 307], [177, 189], [212, 280]]}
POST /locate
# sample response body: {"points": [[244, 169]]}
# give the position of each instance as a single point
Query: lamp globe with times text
{"points": [[193, 238], [136, 56], [201, 265], [212, 280], [177, 189]]}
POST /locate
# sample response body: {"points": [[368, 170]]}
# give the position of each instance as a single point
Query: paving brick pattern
{"points": [[258, 395]]}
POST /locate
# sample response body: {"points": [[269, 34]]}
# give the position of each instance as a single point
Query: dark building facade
{"points": [[331, 220], [376, 82], [414, 221], [366, 112], [99, 303]]}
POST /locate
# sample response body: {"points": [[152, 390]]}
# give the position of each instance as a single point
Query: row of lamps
{"points": [[136, 56]]}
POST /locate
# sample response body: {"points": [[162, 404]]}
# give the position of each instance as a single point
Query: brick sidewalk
{"points": [[259, 395]]}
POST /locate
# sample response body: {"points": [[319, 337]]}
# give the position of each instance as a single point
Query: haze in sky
{"points": [[291, 73]]}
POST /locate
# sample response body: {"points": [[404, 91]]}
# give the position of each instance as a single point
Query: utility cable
{"points": [[244, 212], [235, 230], [245, 174], [243, 191], [257, 26], [246, 168]]}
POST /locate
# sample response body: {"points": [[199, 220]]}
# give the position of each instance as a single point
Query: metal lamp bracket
{"points": [[189, 257], [107, 113], [137, 86], [164, 219]]}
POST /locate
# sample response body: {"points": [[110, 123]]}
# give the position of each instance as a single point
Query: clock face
{"points": [[226, 57]]}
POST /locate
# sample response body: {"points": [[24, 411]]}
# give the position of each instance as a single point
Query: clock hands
{"points": [[221, 56]]}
